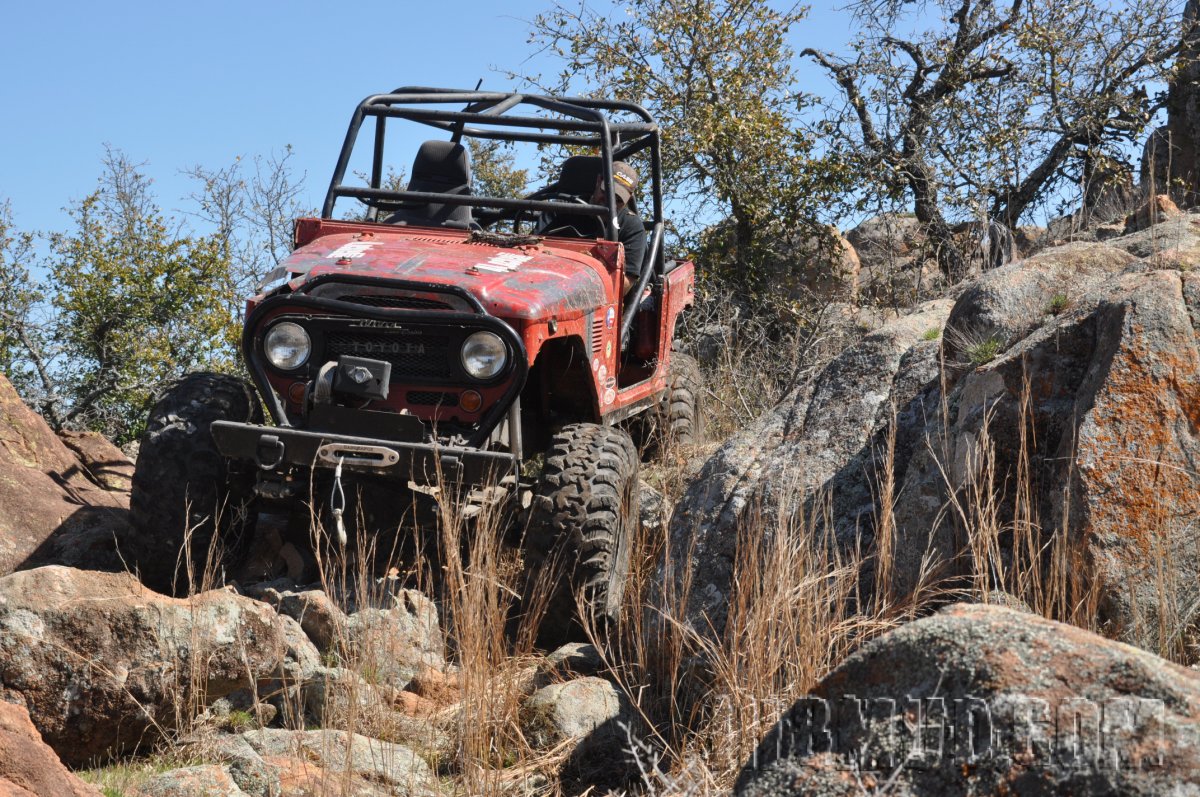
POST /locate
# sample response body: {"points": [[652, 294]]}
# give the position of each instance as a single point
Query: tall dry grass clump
{"points": [[467, 562], [706, 696], [1004, 545]]}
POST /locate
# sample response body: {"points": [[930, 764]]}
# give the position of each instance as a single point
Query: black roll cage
{"points": [[578, 121], [581, 122]]}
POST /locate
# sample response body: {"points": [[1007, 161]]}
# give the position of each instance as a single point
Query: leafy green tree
{"points": [[19, 301], [494, 171], [718, 77], [133, 303]]}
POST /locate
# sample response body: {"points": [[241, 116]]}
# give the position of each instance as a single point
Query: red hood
{"points": [[528, 283]]}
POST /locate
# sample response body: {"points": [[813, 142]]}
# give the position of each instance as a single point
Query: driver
{"points": [[631, 232]]}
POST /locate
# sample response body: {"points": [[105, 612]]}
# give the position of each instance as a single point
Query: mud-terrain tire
{"points": [[182, 482], [682, 406], [583, 514], [677, 418]]}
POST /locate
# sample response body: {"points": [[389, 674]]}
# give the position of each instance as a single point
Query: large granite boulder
{"points": [[51, 509], [1183, 111], [797, 448], [1095, 416], [986, 700], [824, 266], [104, 665], [1057, 413]]}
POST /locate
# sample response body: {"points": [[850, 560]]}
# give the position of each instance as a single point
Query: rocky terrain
{"points": [[1032, 439]]}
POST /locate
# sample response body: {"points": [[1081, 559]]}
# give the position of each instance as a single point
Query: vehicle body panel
{"points": [[405, 298]]}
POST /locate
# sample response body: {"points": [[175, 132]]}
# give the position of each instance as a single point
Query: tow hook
{"points": [[269, 452]]}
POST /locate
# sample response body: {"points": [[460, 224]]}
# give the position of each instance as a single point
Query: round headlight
{"points": [[287, 346], [484, 355]]}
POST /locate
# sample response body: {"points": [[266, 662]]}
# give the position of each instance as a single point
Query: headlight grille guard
{"points": [[252, 335]]}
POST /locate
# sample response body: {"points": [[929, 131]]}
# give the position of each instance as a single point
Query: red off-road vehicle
{"points": [[447, 338]]}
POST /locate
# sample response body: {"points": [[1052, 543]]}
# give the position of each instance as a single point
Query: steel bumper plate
{"points": [[273, 446]]}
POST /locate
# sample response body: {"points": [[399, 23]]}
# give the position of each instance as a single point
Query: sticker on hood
{"points": [[352, 250], [503, 263]]}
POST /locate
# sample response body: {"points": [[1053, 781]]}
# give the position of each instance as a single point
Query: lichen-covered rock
{"points": [[1106, 398], [805, 266], [1174, 243], [572, 659], [301, 663], [654, 507], [1183, 112], [103, 463], [395, 642], [103, 664], [335, 695], [245, 766], [893, 255], [591, 711], [440, 687], [986, 700], [28, 765], [1009, 302], [1154, 167], [202, 780], [795, 449], [885, 239], [1155, 209], [322, 620], [394, 766]]}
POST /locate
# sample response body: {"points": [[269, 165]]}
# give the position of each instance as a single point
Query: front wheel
{"points": [[579, 530], [191, 510]]}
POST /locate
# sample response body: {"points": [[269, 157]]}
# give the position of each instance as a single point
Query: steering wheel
{"points": [[552, 196]]}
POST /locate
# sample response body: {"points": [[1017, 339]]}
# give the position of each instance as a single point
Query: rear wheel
{"points": [[579, 530], [191, 510], [682, 404], [677, 418]]}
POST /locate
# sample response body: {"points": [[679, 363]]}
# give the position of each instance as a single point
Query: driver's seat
{"points": [[440, 167], [576, 178]]}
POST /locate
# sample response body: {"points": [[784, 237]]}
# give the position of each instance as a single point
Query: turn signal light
{"points": [[470, 401], [296, 392]]}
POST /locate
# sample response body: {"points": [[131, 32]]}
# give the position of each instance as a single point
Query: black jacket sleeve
{"points": [[632, 235]]}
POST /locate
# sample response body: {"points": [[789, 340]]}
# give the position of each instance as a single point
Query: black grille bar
{"points": [[420, 358]]}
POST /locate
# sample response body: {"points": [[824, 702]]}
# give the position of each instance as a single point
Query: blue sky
{"points": [[174, 85]]}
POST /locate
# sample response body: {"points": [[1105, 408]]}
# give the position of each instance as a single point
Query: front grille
{"points": [[406, 302], [413, 357], [432, 398]]}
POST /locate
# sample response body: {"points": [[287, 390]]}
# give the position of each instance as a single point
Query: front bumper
{"points": [[272, 447]]}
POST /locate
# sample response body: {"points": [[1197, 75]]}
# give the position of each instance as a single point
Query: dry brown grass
{"points": [[798, 604]]}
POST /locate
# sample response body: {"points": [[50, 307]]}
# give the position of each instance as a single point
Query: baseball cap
{"points": [[625, 180]]}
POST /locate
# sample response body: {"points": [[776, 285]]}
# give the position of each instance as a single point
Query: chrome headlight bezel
{"points": [[484, 355], [276, 344]]}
